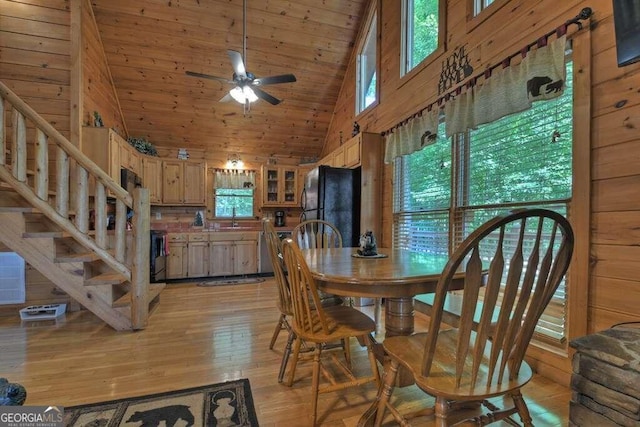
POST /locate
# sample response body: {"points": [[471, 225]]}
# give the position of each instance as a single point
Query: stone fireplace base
{"points": [[606, 379]]}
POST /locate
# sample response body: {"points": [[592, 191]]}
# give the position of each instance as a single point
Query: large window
{"points": [[234, 202], [420, 31], [367, 64], [233, 194], [445, 191]]}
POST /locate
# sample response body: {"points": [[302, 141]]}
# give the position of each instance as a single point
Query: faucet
{"points": [[234, 223]]}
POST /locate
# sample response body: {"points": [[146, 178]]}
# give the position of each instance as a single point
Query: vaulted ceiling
{"points": [[150, 44]]}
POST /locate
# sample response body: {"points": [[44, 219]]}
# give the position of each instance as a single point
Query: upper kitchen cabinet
{"points": [[152, 178], [279, 186], [130, 158], [184, 182], [102, 146]]}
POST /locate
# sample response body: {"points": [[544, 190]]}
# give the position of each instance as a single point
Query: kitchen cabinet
{"points": [[177, 260], [337, 160], [206, 254], [183, 182], [152, 178], [130, 158], [221, 258], [352, 151], [198, 255], [102, 146], [233, 253], [279, 186]]}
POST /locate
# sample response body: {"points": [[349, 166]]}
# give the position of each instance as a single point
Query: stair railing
{"points": [[28, 125]]}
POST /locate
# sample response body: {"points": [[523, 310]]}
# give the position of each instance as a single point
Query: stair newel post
{"points": [[140, 269], [3, 133], [42, 165], [100, 206], [19, 147], [82, 199], [121, 230], [62, 182]]}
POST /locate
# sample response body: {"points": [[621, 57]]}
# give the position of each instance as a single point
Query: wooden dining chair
{"points": [[274, 246], [316, 234], [321, 325], [514, 264]]}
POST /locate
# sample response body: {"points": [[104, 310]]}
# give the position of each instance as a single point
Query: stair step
{"points": [[154, 291], [45, 234], [80, 257], [24, 209], [105, 279]]}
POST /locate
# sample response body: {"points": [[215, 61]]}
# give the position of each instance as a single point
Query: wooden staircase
{"points": [[44, 217]]}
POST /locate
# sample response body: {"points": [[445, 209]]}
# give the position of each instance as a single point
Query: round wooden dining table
{"points": [[396, 275]]}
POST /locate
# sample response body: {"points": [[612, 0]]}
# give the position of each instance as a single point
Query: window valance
{"points": [[507, 90], [234, 178]]}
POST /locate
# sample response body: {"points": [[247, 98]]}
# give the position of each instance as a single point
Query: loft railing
{"points": [[26, 145]]}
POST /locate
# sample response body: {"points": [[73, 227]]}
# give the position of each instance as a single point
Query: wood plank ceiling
{"points": [[150, 44]]}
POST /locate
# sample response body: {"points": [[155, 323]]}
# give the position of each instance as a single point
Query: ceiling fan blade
{"points": [[284, 78], [207, 76], [237, 63], [226, 98], [264, 95]]}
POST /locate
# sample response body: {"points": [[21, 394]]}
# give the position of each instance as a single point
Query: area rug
{"points": [[232, 281], [224, 404]]}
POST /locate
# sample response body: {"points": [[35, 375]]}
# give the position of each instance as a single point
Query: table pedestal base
{"points": [[398, 316]]}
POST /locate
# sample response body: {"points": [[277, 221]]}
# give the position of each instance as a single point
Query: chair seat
{"points": [[343, 321], [441, 381]]}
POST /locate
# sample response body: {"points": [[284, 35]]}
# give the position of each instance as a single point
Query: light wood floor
{"points": [[198, 336]]}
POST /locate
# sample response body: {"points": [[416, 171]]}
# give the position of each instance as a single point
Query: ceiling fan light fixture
{"points": [[243, 94]]}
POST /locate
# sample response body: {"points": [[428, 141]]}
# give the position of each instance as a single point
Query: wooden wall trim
{"points": [[581, 204]]}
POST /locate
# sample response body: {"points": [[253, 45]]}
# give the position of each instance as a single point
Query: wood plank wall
{"points": [[99, 93], [35, 60], [614, 274]]}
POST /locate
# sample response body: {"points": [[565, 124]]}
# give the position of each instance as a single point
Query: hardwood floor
{"points": [[198, 336]]}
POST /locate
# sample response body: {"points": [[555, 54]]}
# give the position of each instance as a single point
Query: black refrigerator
{"points": [[333, 195]]}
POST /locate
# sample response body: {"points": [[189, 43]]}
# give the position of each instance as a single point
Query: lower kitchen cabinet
{"points": [[221, 258], [177, 260], [233, 257], [194, 255], [245, 259], [198, 252]]}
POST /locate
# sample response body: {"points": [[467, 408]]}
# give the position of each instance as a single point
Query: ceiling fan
{"points": [[246, 85]]}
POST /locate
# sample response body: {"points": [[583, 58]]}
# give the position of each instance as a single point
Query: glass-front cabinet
{"points": [[280, 186]]}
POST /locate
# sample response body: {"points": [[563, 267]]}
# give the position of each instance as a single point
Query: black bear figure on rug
{"points": [[169, 414]]}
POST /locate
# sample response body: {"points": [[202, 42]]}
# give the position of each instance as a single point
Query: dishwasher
{"points": [[265, 260]]}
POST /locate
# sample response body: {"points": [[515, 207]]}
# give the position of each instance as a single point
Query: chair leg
{"points": [[279, 327], [523, 411], [296, 355], [315, 382], [346, 349], [285, 356], [372, 360], [387, 388]]}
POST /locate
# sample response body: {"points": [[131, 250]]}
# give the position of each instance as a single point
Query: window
{"points": [[233, 194], [420, 31], [367, 64], [480, 5], [230, 199], [445, 191]]}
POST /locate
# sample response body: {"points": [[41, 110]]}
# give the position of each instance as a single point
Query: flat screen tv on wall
{"points": [[626, 18]]}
